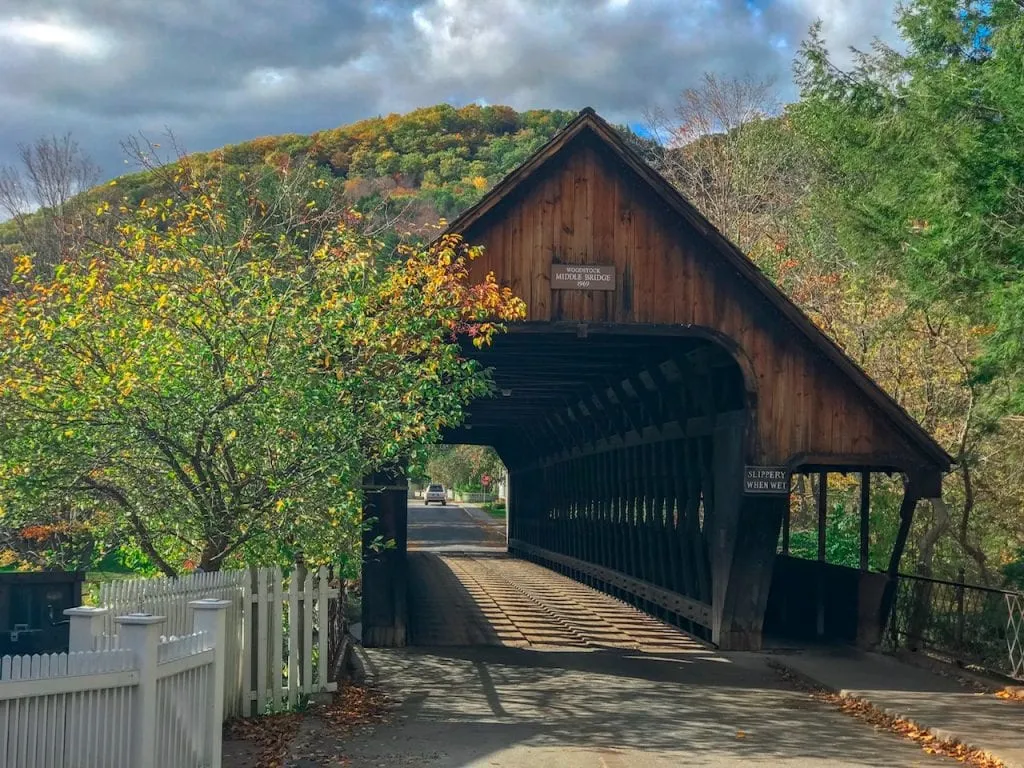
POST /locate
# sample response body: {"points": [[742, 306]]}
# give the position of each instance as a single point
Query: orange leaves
{"points": [[1013, 693], [866, 711]]}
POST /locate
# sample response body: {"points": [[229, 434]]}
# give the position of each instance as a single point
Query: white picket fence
{"points": [[171, 598], [277, 644], [154, 702], [287, 625]]}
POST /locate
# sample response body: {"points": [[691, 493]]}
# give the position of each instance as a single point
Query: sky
{"points": [[224, 71]]}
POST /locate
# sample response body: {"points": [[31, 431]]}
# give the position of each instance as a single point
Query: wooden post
{"points": [[210, 616], [140, 632], [785, 531], [910, 498], [385, 500], [865, 503], [822, 513]]}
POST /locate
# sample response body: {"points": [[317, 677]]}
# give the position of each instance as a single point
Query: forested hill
{"points": [[433, 162], [442, 155]]}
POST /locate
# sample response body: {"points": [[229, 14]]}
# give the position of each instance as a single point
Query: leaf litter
{"points": [[353, 708], [867, 712]]}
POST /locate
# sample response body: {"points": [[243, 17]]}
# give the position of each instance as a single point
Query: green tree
{"points": [[214, 379], [923, 152], [462, 466]]}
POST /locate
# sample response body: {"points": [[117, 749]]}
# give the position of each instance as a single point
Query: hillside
{"points": [[436, 160]]}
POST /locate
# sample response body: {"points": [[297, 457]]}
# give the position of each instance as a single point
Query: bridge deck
{"points": [[495, 600]]}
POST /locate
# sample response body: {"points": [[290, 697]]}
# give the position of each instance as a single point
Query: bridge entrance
{"points": [[653, 408]]}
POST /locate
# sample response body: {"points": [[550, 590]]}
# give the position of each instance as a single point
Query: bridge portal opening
{"points": [[612, 441]]}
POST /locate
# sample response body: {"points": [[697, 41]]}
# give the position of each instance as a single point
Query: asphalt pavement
{"points": [[453, 528], [555, 674]]}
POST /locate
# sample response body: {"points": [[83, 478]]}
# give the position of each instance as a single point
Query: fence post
{"points": [[140, 632], [85, 623], [960, 611], [210, 615]]}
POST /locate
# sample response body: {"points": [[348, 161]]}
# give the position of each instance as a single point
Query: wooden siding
{"points": [[586, 207]]}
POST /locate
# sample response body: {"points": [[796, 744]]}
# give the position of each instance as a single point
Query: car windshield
{"points": [[434, 488]]}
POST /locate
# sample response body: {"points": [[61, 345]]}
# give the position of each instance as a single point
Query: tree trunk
{"points": [[922, 593]]}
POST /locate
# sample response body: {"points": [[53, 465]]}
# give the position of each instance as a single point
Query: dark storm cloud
{"points": [[217, 71]]}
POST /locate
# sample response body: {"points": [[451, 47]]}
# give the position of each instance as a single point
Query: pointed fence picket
{"points": [[278, 635], [171, 597], [288, 652], [155, 702]]}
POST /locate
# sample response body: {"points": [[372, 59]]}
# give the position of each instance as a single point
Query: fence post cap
{"points": [[140, 619], [86, 610], [209, 604]]}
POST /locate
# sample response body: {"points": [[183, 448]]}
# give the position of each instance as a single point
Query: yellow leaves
{"points": [[161, 302], [22, 265], [1012, 693]]}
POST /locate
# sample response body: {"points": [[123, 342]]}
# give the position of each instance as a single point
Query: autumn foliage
{"points": [[213, 380]]}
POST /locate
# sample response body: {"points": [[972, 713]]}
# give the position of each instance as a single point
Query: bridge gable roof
{"points": [[590, 130]]}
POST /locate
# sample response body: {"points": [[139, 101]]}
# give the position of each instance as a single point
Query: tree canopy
{"points": [[213, 380], [923, 152]]}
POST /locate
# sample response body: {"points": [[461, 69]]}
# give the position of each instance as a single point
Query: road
{"points": [[516, 666], [453, 528]]}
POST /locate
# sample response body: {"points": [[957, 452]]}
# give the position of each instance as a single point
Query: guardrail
{"points": [[971, 624]]}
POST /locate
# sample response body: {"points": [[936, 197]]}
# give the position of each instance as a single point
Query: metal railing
{"points": [[971, 624]]}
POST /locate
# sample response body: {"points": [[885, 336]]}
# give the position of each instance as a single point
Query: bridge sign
{"points": [[770, 481], [584, 277]]}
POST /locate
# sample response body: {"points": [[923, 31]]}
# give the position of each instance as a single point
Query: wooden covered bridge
{"points": [[654, 407]]}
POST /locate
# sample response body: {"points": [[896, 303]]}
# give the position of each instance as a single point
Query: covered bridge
{"points": [[654, 406]]}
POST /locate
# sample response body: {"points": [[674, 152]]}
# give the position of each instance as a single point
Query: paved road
{"points": [[528, 668], [453, 527]]}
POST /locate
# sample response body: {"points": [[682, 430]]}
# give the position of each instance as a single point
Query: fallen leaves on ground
{"points": [[1013, 693], [271, 733], [354, 707], [869, 713]]}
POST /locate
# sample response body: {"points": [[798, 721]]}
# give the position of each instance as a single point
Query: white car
{"points": [[435, 492]]}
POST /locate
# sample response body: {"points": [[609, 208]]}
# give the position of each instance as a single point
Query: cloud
{"points": [[223, 71]]}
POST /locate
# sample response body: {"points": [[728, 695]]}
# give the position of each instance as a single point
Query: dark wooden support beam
{"points": [[553, 436], [865, 529], [822, 520], [785, 530], [822, 513], [672, 396], [384, 572], [743, 536], [586, 419], [615, 414], [603, 419], [648, 401], [632, 417], [911, 495], [913, 492], [569, 427]]}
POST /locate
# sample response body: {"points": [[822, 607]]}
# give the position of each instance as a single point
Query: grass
{"points": [[495, 509]]}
